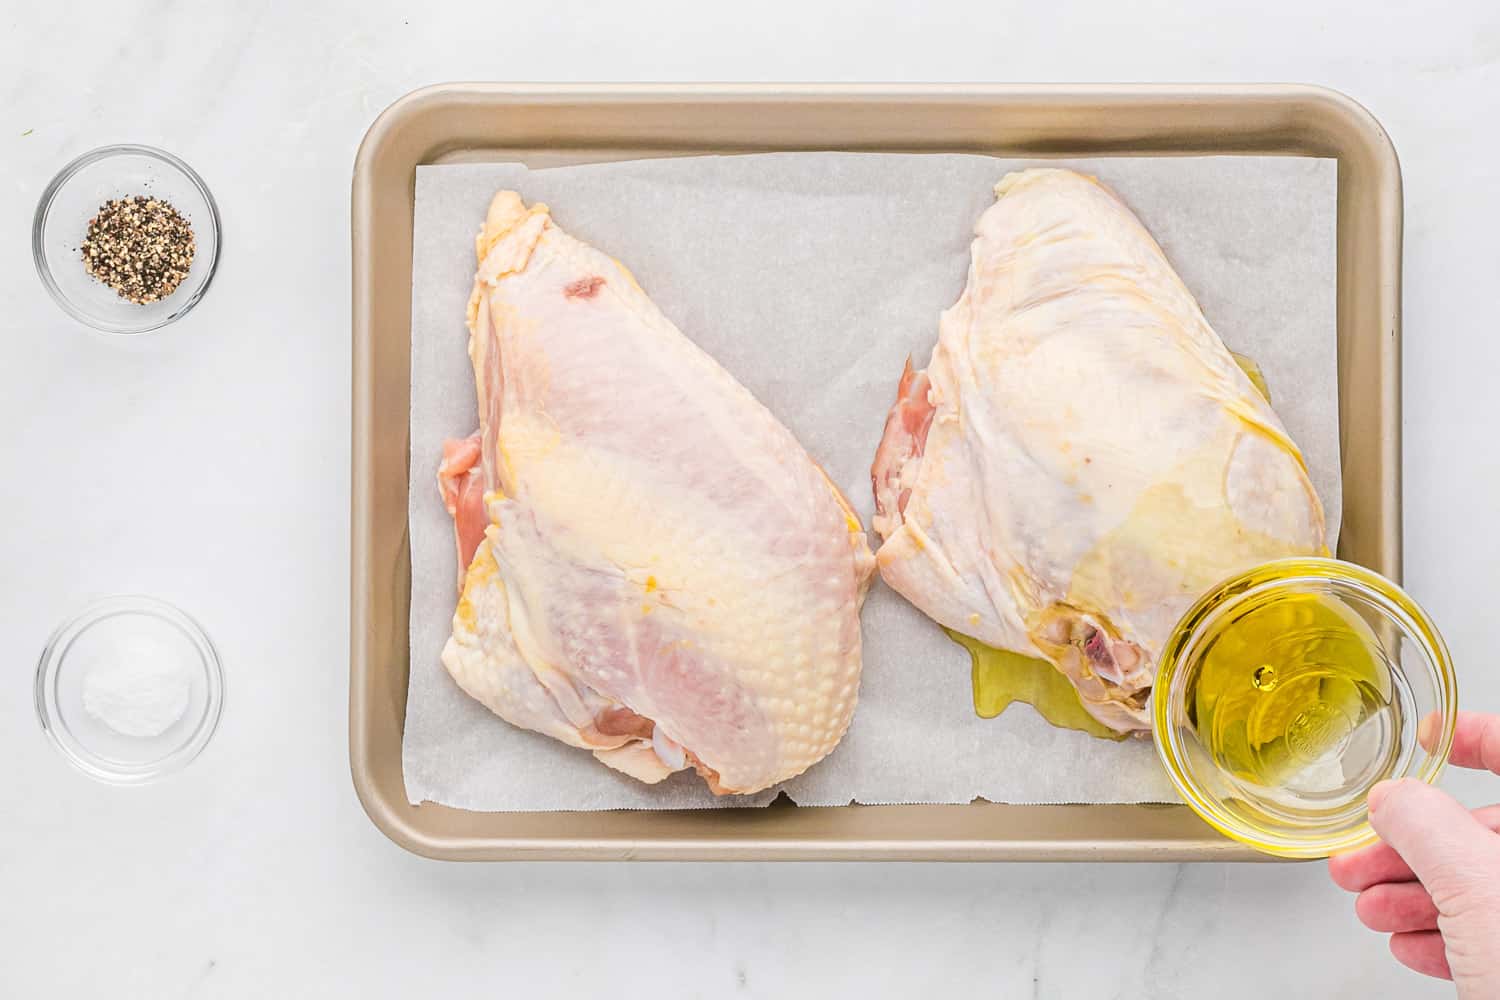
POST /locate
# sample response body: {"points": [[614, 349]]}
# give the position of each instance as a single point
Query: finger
{"points": [[1357, 870], [1439, 839], [1476, 739], [1396, 907], [1422, 951]]}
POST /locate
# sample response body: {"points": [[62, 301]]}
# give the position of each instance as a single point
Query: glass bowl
{"points": [[1285, 693], [73, 198], [129, 689]]}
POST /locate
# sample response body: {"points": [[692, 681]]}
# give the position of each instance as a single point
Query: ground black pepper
{"points": [[141, 247]]}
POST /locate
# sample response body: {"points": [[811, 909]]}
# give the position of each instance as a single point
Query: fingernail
{"points": [[1427, 730], [1378, 793]]}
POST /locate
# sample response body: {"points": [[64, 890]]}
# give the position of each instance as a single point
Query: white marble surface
{"points": [[209, 465]]}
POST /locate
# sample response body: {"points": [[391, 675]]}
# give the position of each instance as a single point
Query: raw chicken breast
{"points": [[1082, 458], [655, 569]]}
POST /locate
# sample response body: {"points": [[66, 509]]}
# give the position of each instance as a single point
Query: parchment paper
{"points": [[811, 277]]}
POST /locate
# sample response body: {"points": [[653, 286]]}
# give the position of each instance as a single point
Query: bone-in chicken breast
{"points": [[655, 570], [1082, 457]]}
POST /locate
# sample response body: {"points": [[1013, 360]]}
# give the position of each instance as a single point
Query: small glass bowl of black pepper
{"points": [[126, 238]]}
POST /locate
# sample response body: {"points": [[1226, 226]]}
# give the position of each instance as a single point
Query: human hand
{"points": [[1433, 884]]}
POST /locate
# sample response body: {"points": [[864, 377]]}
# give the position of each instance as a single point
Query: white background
{"points": [[209, 465]]}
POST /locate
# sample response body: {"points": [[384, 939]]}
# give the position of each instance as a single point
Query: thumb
{"points": [[1444, 845]]}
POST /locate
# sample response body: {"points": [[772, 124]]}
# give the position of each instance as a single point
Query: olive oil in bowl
{"points": [[1287, 692]]}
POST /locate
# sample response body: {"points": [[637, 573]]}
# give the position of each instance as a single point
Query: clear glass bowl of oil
{"points": [[1287, 692]]}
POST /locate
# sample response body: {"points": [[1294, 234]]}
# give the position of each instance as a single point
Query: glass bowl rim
{"points": [[69, 747], [43, 211], [1391, 599]]}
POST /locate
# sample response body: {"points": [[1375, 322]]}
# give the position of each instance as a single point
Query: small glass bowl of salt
{"points": [[129, 689]]}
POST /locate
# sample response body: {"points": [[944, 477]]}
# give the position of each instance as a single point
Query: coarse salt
{"points": [[141, 690]]}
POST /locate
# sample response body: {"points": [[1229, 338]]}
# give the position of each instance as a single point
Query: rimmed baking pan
{"points": [[555, 124]]}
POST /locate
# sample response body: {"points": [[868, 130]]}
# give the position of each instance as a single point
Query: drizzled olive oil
{"points": [[1001, 677], [1253, 373], [1283, 685]]}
